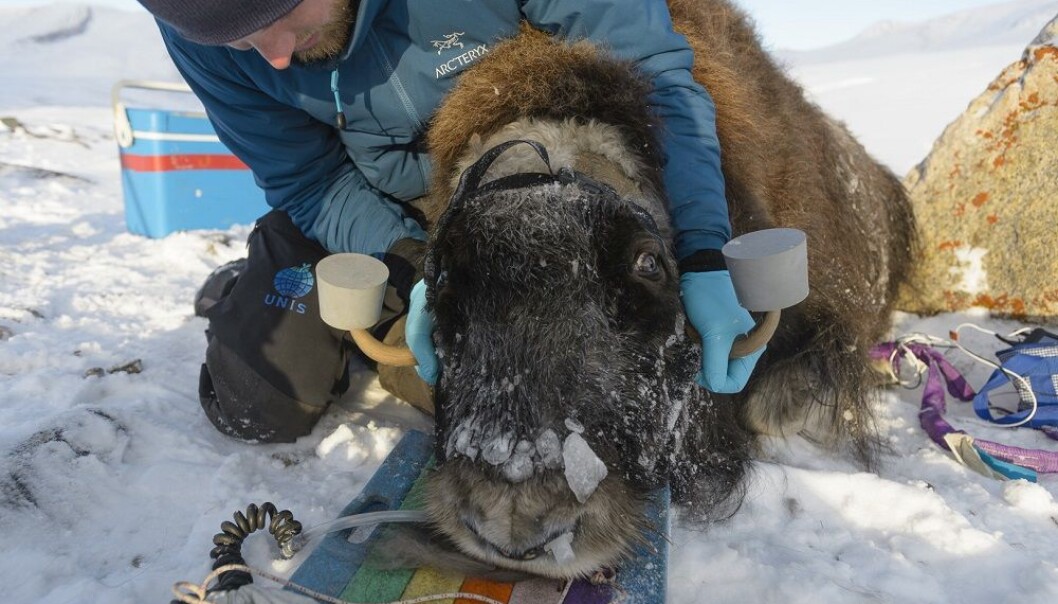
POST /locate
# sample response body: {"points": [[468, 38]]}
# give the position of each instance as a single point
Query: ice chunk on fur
{"points": [[519, 467], [574, 426], [498, 450], [549, 448], [584, 469]]}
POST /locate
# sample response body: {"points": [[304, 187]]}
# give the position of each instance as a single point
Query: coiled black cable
{"points": [[228, 542]]}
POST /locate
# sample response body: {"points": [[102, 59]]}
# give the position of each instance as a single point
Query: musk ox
{"points": [[567, 389]]}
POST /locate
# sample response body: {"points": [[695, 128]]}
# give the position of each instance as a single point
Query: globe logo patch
{"points": [[290, 284], [294, 282]]}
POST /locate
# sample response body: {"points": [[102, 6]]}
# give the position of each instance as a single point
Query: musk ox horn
{"points": [[401, 356], [384, 354], [351, 289], [758, 337]]}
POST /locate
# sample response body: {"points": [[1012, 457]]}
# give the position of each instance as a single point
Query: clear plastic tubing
{"points": [[355, 521]]}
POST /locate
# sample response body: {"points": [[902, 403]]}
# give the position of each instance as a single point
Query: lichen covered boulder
{"points": [[986, 199]]}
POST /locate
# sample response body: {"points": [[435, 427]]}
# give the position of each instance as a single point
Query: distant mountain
{"points": [[1008, 23], [80, 50]]}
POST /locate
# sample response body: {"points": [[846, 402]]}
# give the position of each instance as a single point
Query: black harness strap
{"points": [[470, 187], [470, 180]]}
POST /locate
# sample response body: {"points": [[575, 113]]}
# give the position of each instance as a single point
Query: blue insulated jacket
{"points": [[341, 187]]}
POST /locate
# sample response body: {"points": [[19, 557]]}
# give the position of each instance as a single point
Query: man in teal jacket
{"points": [[327, 101]]}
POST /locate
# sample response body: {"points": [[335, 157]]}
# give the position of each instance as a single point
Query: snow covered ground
{"points": [[112, 485]]}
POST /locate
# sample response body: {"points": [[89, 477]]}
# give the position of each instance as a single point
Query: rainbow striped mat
{"points": [[336, 567]]}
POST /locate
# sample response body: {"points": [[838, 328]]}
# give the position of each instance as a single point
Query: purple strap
{"points": [[931, 416], [1044, 462]]}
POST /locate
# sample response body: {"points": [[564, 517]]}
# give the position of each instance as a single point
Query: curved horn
{"points": [[751, 342], [401, 356], [757, 337], [351, 288], [385, 354]]}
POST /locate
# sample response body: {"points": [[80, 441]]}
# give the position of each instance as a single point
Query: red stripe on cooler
{"points": [[189, 161]]}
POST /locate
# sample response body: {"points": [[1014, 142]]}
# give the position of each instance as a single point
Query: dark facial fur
{"points": [[559, 313]]}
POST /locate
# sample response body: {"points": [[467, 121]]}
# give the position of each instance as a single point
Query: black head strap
{"points": [[470, 187], [470, 180]]}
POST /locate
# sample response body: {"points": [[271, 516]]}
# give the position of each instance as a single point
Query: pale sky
{"points": [[793, 24], [800, 24]]}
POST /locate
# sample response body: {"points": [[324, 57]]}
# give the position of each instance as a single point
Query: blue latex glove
{"points": [[713, 309], [418, 332]]}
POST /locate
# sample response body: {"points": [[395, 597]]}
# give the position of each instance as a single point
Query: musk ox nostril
{"points": [[549, 447], [519, 460]]}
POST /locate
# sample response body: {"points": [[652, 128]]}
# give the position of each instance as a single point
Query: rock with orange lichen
{"points": [[986, 199]]}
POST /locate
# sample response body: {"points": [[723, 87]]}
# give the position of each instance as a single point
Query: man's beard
{"points": [[334, 36]]}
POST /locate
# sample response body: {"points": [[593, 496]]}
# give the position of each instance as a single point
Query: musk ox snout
{"points": [[566, 373], [516, 526]]}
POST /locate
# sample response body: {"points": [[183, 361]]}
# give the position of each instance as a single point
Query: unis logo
{"points": [[453, 40], [290, 284]]}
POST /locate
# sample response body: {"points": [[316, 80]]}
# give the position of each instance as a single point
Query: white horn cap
{"points": [[352, 287], [769, 268]]}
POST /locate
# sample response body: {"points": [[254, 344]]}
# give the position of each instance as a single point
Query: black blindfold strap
{"points": [[470, 180], [523, 180]]}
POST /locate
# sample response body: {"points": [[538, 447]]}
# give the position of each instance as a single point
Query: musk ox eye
{"points": [[646, 265]]}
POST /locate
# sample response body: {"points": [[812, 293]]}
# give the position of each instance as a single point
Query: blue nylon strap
{"points": [[1007, 469], [1023, 360]]}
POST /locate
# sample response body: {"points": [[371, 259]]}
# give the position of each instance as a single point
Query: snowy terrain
{"points": [[1011, 22], [899, 84], [112, 485]]}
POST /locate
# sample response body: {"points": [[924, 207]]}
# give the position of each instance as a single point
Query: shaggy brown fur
{"points": [[783, 154], [532, 76], [785, 164]]}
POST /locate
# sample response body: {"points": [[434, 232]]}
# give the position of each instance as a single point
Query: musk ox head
{"points": [[567, 388]]}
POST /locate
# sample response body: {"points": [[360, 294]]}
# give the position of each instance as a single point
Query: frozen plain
{"points": [[111, 487]]}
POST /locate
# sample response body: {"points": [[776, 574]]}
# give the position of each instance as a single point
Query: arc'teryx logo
{"points": [[291, 283], [450, 40], [453, 65]]}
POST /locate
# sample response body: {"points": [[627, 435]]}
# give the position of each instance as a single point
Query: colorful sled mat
{"points": [[337, 566]]}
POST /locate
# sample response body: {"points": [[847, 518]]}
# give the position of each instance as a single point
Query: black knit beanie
{"points": [[215, 22]]}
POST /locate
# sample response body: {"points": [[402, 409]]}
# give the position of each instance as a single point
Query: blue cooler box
{"points": [[175, 173]]}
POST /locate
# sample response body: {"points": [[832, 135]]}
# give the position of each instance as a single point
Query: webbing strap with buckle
{"points": [[987, 457], [1034, 362]]}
